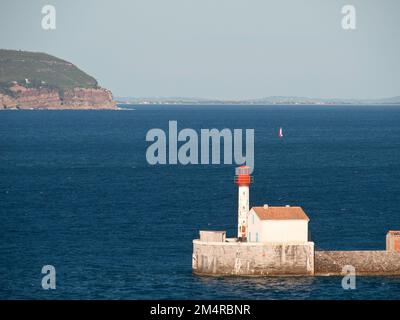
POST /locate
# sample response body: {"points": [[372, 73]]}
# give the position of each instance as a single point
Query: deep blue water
{"points": [[76, 192]]}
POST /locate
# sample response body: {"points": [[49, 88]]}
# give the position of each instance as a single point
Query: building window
{"points": [[256, 236], [252, 218], [249, 236]]}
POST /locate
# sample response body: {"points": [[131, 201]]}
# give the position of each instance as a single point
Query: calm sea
{"points": [[76, 192]]}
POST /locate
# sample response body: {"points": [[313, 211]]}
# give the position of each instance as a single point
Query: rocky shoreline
{"points": [[43, 98]]}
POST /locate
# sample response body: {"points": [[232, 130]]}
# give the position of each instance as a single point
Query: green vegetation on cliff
{"points": [[34, 69]]}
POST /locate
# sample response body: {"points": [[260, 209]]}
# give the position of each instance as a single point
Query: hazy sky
{"points": [[218, 48]]}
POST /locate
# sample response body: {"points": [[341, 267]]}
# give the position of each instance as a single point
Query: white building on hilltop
{"points": [[277, 224]]}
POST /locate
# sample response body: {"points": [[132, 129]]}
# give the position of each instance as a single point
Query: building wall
{"points": [[212, 236], [253, 227], [249, 259], [276, 230], [393, 241], [284, 230]]}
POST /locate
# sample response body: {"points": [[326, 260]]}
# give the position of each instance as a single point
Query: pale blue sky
{"points": [[228, 49]]}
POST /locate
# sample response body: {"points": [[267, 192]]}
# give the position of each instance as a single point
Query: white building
{"points": [[277, 224]]}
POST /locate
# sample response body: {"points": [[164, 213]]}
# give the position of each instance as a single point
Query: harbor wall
{"points": [[365, 262], [252, 259]]}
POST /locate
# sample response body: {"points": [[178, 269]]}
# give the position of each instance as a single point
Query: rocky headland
{"points": [[30, 80]]}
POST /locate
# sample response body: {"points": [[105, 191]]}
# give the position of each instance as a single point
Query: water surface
{"points": [[76, 192]]}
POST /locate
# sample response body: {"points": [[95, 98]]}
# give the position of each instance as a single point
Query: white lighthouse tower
{"points": [[243, 180]]}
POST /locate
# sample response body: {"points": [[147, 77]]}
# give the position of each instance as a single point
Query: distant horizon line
{"points": [[241, 99], [268, 99]]}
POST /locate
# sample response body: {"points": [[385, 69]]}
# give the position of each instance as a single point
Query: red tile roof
{"points": [[280, 213]]}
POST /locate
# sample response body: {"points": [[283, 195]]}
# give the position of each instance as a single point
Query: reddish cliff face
{"points": [[82, 97], [7, 102], [45, 98]]}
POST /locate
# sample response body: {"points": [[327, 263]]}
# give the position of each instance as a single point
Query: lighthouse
{"points": [[243, 181]]}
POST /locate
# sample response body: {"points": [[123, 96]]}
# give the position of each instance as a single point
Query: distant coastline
{"points": [[275, 100]]}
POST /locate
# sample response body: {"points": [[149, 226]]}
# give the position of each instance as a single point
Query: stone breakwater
{"points": [[252, 259], [368, 262], [216, 255], [47, 98]]}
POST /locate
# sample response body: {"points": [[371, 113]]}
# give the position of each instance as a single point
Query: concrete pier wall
{"points": [[365, 262], [251, 259]]}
